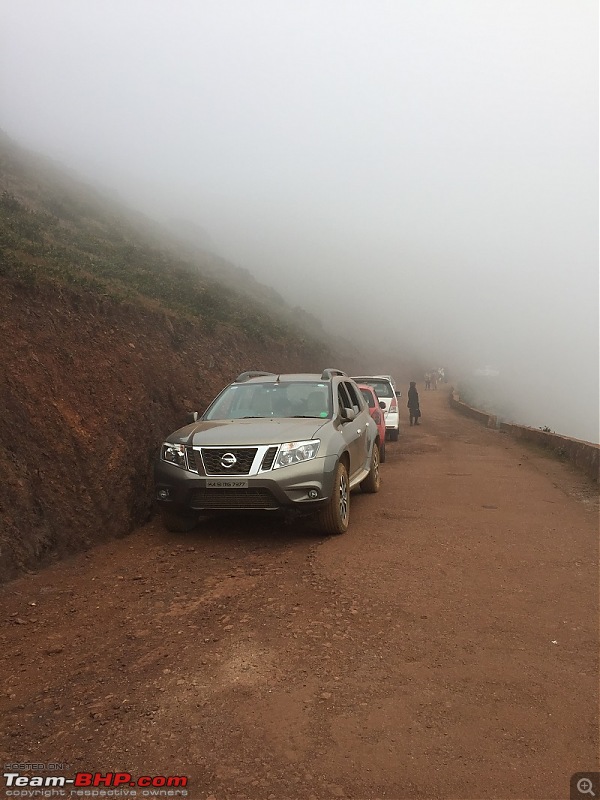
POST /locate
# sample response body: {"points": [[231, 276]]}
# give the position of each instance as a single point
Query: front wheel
{"points": [[333, 518], [372, 481], [179, 523]]}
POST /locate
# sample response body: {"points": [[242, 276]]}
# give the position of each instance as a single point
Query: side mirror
{"points": [[192, 417], [398, 394], [348, 414], [381, 404]]}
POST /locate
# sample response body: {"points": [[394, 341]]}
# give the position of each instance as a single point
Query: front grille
{"points": [[233, 499], [191, 457], [268, 459], [212, 460]]}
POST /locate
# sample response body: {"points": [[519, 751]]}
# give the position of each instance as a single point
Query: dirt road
{"points": [[445, 647]]}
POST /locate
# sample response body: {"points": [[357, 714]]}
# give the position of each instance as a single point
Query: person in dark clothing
{"points": [[413, 404]]}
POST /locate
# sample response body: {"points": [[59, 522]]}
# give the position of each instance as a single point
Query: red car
{"points": [[376, 412]]}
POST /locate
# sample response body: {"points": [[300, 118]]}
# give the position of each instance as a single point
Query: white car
{"points": [[385, 389]]}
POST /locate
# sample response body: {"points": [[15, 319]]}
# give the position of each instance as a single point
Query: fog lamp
{"points": [[313, 494], [163, 494]]}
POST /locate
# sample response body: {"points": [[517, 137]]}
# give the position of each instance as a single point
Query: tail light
{"points": [[394, 404], [377, 418]]}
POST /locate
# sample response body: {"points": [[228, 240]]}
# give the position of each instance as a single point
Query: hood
{"points": [[243, 432]]}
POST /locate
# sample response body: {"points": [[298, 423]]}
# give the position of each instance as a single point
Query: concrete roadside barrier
{"points": [[584, 455], [489, 420]]}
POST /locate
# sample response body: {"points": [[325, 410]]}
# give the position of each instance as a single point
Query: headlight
{"points": [[174, 454], [296, 452]]}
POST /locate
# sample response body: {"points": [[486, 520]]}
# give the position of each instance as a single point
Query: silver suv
{"points": [[272, 443]]}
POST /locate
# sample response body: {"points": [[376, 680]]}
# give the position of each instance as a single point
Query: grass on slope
{"points": [[55, 228]]}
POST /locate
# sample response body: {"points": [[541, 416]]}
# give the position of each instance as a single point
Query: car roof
{"points": [[300, 377], [373, 378]]}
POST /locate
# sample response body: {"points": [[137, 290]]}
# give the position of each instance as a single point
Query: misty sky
{"points": [[429, 165]]}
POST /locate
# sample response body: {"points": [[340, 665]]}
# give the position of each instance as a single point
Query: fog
{"points": [[421, 173]]}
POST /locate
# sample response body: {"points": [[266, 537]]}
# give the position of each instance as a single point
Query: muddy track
{"points": [[445, 647]]}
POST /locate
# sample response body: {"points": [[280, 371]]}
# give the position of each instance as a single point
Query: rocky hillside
{"points": [[108, 337]]}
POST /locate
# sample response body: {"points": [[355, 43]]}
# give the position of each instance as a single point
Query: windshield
{"points": [[285, 400], [382, 388]]}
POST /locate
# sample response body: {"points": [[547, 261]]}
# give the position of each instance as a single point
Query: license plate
{"points": [[226, 483]]}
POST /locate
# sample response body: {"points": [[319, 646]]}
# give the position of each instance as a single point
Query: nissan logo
{"points": [[228, 460]]}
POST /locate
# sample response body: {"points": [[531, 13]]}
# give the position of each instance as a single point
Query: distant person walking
{"points": [[428, 380], [434, 379], [413, 404]]}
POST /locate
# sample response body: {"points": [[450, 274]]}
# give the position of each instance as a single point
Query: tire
{"points": [[179, 523], [371, 483], [382, 452], [394, 435], [333, 518]]}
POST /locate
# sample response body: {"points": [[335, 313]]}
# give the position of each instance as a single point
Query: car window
{"points": [[382, 388], [368, 397], [356, 404], [343, 398], [309, 399], [268, 400]]}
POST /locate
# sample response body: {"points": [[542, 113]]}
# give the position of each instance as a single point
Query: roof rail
{"points": [[244, 376], [328, 374]]}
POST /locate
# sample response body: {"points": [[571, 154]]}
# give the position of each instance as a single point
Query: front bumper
{"points": [[183, 491]]}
